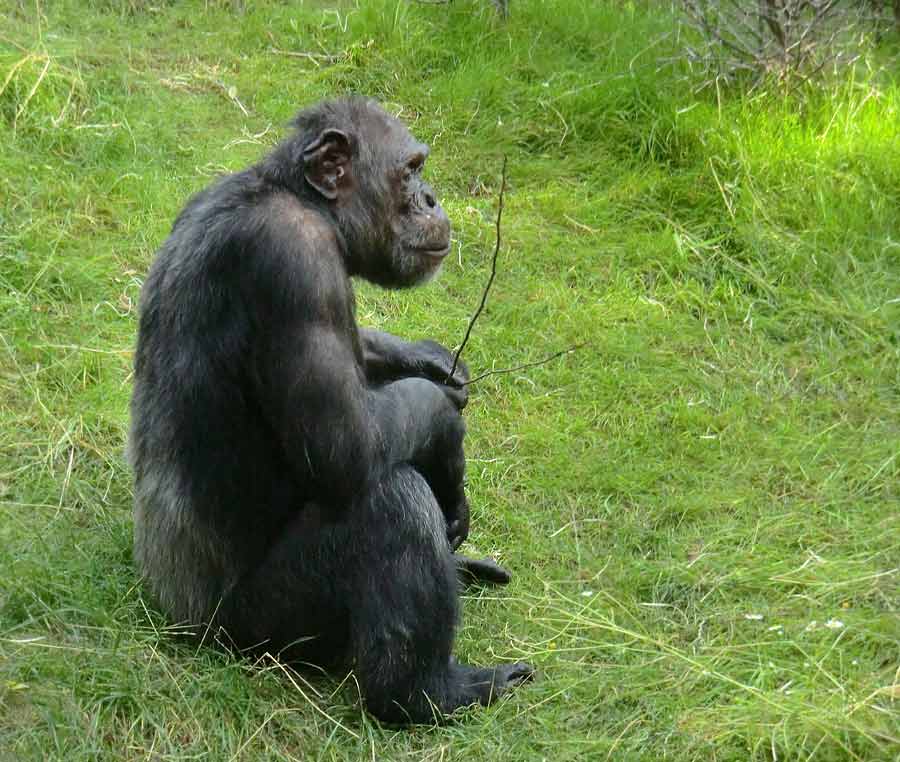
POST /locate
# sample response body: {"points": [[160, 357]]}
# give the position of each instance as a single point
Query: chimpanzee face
{"points": [[422, 228], [371, 172]]}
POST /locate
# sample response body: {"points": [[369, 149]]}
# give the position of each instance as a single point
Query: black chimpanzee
{"points": [[299, 480]]}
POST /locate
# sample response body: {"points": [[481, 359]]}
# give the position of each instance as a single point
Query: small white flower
{"points": [[587, 593], [775, 628], [834, 624], [811, 626], [753, 617]]}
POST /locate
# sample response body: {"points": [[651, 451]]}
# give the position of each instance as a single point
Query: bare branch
{"points": [[487, 288], [791, 39], [573, 348]]}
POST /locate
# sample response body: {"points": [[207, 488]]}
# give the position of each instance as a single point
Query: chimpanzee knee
{"points": [[406, 608], [443, 464]]}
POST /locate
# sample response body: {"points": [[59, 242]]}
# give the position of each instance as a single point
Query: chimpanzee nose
{"points": [[430, 199]]}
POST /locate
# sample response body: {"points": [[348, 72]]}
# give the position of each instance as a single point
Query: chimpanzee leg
{"points": [[449, 491], [376, 592], [403, 626]]}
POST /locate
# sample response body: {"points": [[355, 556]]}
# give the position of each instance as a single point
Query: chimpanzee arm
{"points": [[389, 357], [342, 436], [386, 356], [339, 433]]}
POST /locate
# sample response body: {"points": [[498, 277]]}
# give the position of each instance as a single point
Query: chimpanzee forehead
{"points": [[393, 137]]}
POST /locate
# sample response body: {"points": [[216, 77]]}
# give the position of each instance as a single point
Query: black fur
{"points": [[297, 479]]}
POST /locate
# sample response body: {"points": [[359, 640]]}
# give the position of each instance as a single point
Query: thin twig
{"points": [[487, 288], [314, 57], [569, 350]]}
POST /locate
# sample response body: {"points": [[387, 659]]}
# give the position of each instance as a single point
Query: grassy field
{"points": [[701, 506]]}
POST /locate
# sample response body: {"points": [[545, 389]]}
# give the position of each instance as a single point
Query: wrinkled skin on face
{"points": [[371, 178], [422, 235]]}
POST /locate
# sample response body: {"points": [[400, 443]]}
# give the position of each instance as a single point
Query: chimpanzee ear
{"points": [[326, 163]]}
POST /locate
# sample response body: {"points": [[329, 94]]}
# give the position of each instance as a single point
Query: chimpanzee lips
{"points": [[435, 252]]}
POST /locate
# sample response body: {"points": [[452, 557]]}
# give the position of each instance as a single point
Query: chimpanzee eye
{"points": [[415, 164]]}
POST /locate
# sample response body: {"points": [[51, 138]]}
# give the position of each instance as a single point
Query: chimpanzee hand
{"points": [[434, 361], [389, 357], [456, 394], [457, 523]]}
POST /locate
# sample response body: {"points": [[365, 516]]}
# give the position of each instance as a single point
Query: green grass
{"points": [[701, 507]]}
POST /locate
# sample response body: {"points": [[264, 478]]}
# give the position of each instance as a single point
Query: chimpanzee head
{"points": [[366, 168]]}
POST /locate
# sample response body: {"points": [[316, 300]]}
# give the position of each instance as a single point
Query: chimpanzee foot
{"points": [[485, 571], [509, 676], [485, 685]]}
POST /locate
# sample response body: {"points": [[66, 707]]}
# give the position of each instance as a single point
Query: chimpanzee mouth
{"points": [[434, 252]]}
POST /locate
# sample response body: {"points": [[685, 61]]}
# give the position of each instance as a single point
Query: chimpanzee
{"points": [[298, 479]]}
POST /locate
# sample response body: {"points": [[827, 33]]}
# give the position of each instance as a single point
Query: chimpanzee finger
{"points": [[455, 535], [458, 396], [460, 375], [435, 362]]}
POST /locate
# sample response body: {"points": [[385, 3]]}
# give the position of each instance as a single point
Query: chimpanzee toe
{"points": [[513, 675]]}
